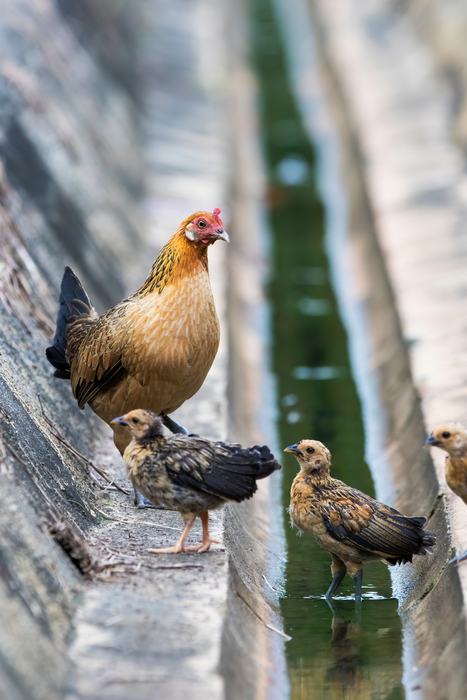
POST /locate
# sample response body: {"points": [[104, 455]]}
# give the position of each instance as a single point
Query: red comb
{"points": [[215, 214]]}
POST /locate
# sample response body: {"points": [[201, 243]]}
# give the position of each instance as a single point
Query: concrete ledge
{"points": [[393, 186], [71, 148]]}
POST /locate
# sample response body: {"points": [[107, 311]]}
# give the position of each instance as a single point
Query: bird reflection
{"points": [[347, 669]]}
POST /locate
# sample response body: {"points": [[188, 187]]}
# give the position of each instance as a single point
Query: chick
{"points": [[351, 526], [452, 437], [190, 474]]}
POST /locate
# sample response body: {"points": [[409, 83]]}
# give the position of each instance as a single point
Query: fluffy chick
{"points": [[190, 474], [353, 527], [152, 350], [452, 437]]}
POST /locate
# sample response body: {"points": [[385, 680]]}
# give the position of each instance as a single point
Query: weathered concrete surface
{"points": [[442, 24], [71, 145], [253, 530], [403, 276]]}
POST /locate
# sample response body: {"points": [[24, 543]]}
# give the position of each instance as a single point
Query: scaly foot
{"points": [[203, 547], [176, 549]]}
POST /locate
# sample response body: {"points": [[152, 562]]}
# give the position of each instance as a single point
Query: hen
{"points": [[351, 526], [152, 350], [190, 474]]}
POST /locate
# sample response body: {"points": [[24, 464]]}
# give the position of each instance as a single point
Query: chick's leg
{"points": [[356, 571], [338, 570], [173, 426], [207, 541], [180, 546]]}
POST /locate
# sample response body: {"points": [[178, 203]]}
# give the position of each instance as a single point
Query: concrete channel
{"points": [[79, 152]]}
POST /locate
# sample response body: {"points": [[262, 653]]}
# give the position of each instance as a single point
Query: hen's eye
{"points": [[201, 223], [135, 420], [310, 450], [446, 434]]}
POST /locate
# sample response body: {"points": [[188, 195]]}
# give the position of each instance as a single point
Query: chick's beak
{"points": [[293, 449], [432, 441], [222, 235], [121, 420]]}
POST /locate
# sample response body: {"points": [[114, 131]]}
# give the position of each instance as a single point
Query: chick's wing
{"points": [[354, 518], [227, 471]]}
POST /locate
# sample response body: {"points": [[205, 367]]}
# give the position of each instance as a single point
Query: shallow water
{"points": [[335, 651]]}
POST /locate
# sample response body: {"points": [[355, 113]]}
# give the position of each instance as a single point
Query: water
{"points": [[335, 651]]}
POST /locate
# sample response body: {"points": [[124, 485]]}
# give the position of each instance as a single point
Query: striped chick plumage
{"points": [[353, 527], [189, 473]]}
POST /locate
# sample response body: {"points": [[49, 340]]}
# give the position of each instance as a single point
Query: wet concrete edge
{"points": [[253, 640], [434, 643]]}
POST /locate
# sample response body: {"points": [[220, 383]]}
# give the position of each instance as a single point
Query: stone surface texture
{"points": [[102, 154]]}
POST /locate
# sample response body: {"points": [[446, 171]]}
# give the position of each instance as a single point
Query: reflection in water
{"points": [[338, 652], [356, 662]]}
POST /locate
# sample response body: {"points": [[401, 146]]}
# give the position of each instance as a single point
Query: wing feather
{"points": [[357, 519]]}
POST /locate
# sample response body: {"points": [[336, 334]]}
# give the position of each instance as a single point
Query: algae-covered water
{"points": [[335, 652]]}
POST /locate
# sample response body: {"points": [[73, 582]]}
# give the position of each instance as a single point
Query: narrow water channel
{"points": [[334, 652]]}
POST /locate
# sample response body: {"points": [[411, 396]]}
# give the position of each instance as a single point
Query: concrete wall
{"points": [[114, 126], [388, 115]]}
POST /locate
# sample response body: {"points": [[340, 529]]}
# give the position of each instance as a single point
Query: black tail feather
{"points": [[268, 464], [73, 302]]}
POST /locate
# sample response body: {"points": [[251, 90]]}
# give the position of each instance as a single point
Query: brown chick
{"points": [[452, 437], [152, 350], [353, 527], [190, 474]]}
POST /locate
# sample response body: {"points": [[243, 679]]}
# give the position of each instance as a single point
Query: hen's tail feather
{"points": [[73, 303]]}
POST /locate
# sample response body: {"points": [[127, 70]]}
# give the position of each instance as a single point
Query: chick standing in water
{"points": [[190, 474], [351, 526], [452, 437]]}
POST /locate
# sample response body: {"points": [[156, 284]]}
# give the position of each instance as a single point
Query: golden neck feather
{"points": [[178, 258]]}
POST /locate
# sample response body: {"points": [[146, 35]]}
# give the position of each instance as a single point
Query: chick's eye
{"points": [[310, 450], [201, 223], [446, 434], [135, 420]]}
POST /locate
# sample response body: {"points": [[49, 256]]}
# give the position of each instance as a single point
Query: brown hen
{"points": [[351, 526], [190, 474], [152, 350]]}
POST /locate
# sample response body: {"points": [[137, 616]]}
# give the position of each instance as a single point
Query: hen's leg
{"points": [[459, 558], [180, 546], [143, 502], [207, 541], [173, 426], [338, 570]]}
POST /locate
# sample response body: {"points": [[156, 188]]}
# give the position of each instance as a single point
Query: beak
{"points": [[121, 420], [431, 441], [222, 235], [293, 449]]}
